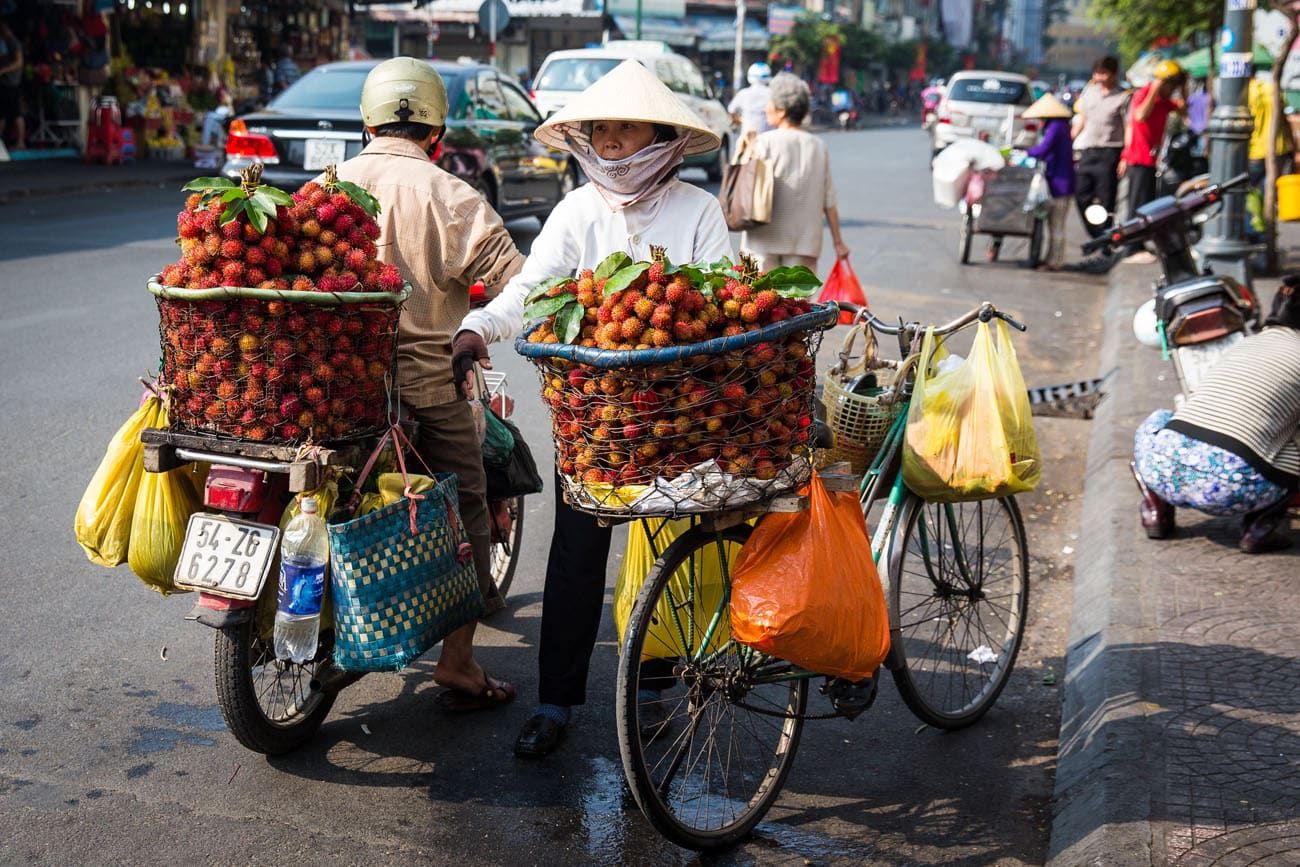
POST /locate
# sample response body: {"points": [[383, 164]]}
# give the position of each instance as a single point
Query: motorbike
{"points": [[1182, 159], [273, 706], [1194, 315], [848, 119]]}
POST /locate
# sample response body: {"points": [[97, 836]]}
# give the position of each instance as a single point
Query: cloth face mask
{"points": [[624, 182]]}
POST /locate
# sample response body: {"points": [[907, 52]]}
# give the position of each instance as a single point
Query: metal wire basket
{"points": [[685, 429], [278, 366]]}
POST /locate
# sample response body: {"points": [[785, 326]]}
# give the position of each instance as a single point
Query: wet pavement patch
{"points": [[203, 717], [27, 724], [149, 740], [135, 773]]}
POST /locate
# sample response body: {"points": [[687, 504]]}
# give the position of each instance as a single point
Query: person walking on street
{"points": [[1259, 98], [1099, 139], [1057, 153], [286, 70], [629, 133], [802, 192], [1148, 115], [1233, 447], [749, 106], [444, 237]]}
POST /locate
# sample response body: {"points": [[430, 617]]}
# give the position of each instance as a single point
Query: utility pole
{"points": [[738, 67], [638, 19], [1224, 244]]}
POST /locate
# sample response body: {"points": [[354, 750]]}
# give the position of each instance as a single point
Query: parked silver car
{"points": [[983, 105]]}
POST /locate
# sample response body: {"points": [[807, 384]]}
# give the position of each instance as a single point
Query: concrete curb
{"points": [[44, 185], [1102, 798]]}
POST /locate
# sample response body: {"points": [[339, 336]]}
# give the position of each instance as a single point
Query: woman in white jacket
{"points": [[629, 134]]}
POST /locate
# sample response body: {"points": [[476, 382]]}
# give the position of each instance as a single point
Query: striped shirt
{"points": [[1249, 404]]}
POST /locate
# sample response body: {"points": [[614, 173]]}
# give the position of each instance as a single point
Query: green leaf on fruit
{"points": [[263, 202], [624, 277], [545, 286], [568, 322], [723, 264], [277, 195], [693, 273], [547, 306], [611, 264], [257, 217], [361, 196], [203, 185], [233, 210], [230, 195], [790, 281]]}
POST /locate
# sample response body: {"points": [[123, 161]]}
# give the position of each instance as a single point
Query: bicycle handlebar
{"points": [[983, 313]]}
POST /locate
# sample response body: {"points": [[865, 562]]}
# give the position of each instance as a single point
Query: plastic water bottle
{"points": [[304, 555]]}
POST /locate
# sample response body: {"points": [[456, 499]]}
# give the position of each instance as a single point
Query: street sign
{"points": [[485, 17]]}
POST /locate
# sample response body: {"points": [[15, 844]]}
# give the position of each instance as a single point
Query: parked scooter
{"points": [[1195, 315], [1182, 159]]}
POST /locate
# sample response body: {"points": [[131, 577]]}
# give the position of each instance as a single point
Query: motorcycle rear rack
{"points": [[166, 450]]}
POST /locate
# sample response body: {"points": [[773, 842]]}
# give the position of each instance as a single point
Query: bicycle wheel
{"points": [[959, 593], [706, 727], [506, 546]]}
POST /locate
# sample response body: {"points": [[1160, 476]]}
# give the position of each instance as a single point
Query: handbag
{"points": [[517, 475], [746, 193], [402, 577]]}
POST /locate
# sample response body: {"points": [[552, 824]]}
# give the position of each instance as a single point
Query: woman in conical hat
{"points": [[1056, 150], [629, 133]]}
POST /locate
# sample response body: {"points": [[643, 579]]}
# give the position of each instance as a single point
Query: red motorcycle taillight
{"points": [[232, 489], [1203, 325]]}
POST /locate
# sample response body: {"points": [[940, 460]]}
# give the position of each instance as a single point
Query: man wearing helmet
{"points": [[749, 106], [443, 236], [1148, 114]]}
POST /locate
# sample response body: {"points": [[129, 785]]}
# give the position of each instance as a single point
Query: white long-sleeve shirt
{"points": [[685, 220]]}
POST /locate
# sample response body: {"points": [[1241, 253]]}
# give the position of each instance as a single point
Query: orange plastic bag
{"points": [[805, 589], [842, 285]]}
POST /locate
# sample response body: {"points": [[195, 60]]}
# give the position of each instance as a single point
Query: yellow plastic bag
{"points": [[103, 522], [663, 642], [163, 506], [970, 435], [392, 489], [805, 588]]}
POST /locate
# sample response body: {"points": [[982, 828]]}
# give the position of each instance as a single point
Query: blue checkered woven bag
{"points": [[403, 579]]}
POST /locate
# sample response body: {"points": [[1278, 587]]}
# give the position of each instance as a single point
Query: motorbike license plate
{"points": [[226, 556], [321, 152], [1196, 360]]}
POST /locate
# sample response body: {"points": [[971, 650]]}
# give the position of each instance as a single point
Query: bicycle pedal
{"points": [[851, 699]]}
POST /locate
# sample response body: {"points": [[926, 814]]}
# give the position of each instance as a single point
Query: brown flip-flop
{"points": [[494, 693]]}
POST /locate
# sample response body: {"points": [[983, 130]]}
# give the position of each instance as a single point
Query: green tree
{"points": [[802, 46], [1142, 24]]}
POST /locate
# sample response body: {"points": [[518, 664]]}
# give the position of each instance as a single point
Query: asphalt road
{"points": [[112, 748]]}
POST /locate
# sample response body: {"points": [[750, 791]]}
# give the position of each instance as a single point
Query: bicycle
{"points": [[708, 728], [506, 516]]}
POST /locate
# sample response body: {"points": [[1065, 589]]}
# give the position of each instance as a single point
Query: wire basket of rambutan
{"points": [[676, 390], [278, 324]]}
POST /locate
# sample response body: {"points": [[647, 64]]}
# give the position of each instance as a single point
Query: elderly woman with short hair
{"points": [[802, 190]]}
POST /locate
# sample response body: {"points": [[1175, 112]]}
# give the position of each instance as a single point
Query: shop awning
{"points": [[467, 10], [669, 30], [398, 13], [1197, 64], [718, 32]]}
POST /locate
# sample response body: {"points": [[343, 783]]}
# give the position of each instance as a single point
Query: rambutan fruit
{"points": [[343, 224], [251, 235], [604, 315], [306, 261], [390, 279], [324, 256], [215, 411], [371, 229], [731, 308], [193, 201], [323, 373], [232, 273], [174, 275], [254, 276], [749, 312], [631, 328], [309, 228], [232, 231], [662, 317], [742, 293], [326, 213], [683, 331], [327, 237], [212, 243], [766, 300], [254, 256]]}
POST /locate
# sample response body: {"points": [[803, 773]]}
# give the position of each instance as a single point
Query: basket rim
{"points": [[322, 299], [821, 318]]}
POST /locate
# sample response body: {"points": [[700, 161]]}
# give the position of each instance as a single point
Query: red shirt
{"points": [[1147, 134]]}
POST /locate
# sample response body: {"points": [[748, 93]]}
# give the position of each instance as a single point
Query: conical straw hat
{"points": [[629, 92], [1048, 106]]}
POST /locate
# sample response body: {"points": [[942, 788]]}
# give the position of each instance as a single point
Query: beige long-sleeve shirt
{"points": [[443, 236], [801, 193]]}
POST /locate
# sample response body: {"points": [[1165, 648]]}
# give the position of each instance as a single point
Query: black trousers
{"points": [[1097, 182], [572, 601], [1141, 186]]}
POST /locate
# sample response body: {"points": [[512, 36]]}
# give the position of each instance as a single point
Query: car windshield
{"points": [[335, 90], [996, 90], [574, 73]]}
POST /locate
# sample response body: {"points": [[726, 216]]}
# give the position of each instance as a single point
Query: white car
{"points": [[985, 106], [564, 74]]}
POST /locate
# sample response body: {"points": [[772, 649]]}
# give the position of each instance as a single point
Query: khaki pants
{"points": [[768, 261], [448, 442], [1057, 210]]}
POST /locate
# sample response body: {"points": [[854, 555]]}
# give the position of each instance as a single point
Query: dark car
{"points": [[489, 141]]}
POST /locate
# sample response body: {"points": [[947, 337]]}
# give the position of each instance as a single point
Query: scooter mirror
{"points": [[1096, 215]]}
